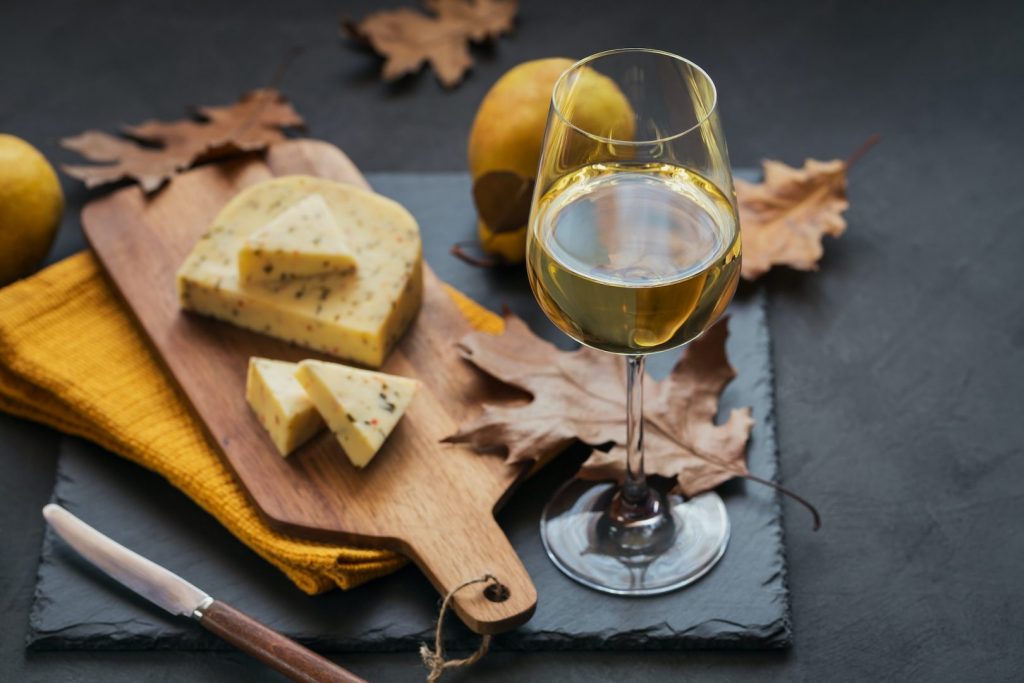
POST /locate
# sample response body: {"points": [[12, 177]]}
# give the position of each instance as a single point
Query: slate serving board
{"points": [[742, 603]]}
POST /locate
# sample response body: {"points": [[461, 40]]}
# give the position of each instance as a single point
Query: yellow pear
{"points": [[31, 206], [508, 132]]}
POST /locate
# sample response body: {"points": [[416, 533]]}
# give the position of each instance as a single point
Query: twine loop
{"points": [[434, 659]]}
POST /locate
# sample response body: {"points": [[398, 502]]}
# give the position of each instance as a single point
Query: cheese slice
{"points": [[358, 316], [361, 407], [281, 404], [302, 240]]}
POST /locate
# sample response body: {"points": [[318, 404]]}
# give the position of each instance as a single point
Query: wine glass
{"points": [[633, 247]]}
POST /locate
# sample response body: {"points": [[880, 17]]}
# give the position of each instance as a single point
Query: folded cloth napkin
{"points": [[72, 357]]}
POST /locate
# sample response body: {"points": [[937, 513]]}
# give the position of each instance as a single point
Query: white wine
{"points": [[633, 258]]}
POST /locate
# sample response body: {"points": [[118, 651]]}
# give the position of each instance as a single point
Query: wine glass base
{"points": [[640, 560]]}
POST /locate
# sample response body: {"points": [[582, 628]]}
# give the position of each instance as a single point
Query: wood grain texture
{"points": [[270, 647], [431, 501]]}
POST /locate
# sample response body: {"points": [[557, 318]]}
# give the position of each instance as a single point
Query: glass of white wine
{"points": [[633, 247]]}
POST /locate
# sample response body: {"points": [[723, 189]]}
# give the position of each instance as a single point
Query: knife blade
{"points": [[176, 595], [145, 577]]}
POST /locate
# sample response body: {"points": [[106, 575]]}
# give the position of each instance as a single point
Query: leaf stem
{"points": [[290, 56], [862, 150], [738, 472], [815, 515], [458, 251]]}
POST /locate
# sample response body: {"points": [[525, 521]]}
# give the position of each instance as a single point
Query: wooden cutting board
{"points": [[430, 501]]}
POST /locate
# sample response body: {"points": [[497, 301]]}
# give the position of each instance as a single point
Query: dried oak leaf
{"points": [[155, 151], [407, 38], [482, 19], [786, 215], [582, 395]]}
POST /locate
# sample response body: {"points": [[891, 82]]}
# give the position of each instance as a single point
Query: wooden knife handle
{"points": [[270, 647]]}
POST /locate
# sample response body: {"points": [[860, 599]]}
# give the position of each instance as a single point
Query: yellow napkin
{"points": [[72, 357]]}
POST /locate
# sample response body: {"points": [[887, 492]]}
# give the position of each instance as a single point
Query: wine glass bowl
{"points": [[633, 247]]}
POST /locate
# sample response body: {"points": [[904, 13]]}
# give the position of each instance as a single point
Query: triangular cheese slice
{"points": [[357, 315], [301, 241], [361, 407], [281, 404]]}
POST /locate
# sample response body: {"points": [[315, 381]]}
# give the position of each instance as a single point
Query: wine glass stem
{"points": [[634, 490]]}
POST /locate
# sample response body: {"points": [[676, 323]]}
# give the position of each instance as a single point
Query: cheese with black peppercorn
{"points": [[281, 404], [302, 240], [358, 316], [361, 407]]}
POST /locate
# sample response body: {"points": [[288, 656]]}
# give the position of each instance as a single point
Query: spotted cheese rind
{"points": [[361, 407], [357, 316], [281, 404], [302, 240]]}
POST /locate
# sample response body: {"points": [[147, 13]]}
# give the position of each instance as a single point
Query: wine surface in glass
{"points": [[634, 258]]}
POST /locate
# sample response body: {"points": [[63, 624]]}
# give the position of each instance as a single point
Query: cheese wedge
{"points": [[358, 316], [281, 404], [302, 240], [361, 407]]}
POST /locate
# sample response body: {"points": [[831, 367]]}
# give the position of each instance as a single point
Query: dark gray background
{"points": [[899, 368]]}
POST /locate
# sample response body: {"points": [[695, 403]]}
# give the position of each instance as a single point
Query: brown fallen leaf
{"points": [[785, 216], [582, 395], [483, 19], [255, 122], [407, 38], [681, 439]]}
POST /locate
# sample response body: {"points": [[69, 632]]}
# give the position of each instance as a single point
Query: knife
{"points": [[178, 596]]}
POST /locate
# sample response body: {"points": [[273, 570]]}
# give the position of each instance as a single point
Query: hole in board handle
{"points": [[497, 592]]}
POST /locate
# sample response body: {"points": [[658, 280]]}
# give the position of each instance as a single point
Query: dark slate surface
{"points": [[743, 603]]}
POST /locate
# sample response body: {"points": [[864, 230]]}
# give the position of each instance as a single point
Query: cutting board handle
{"points": [[470, 551]]}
